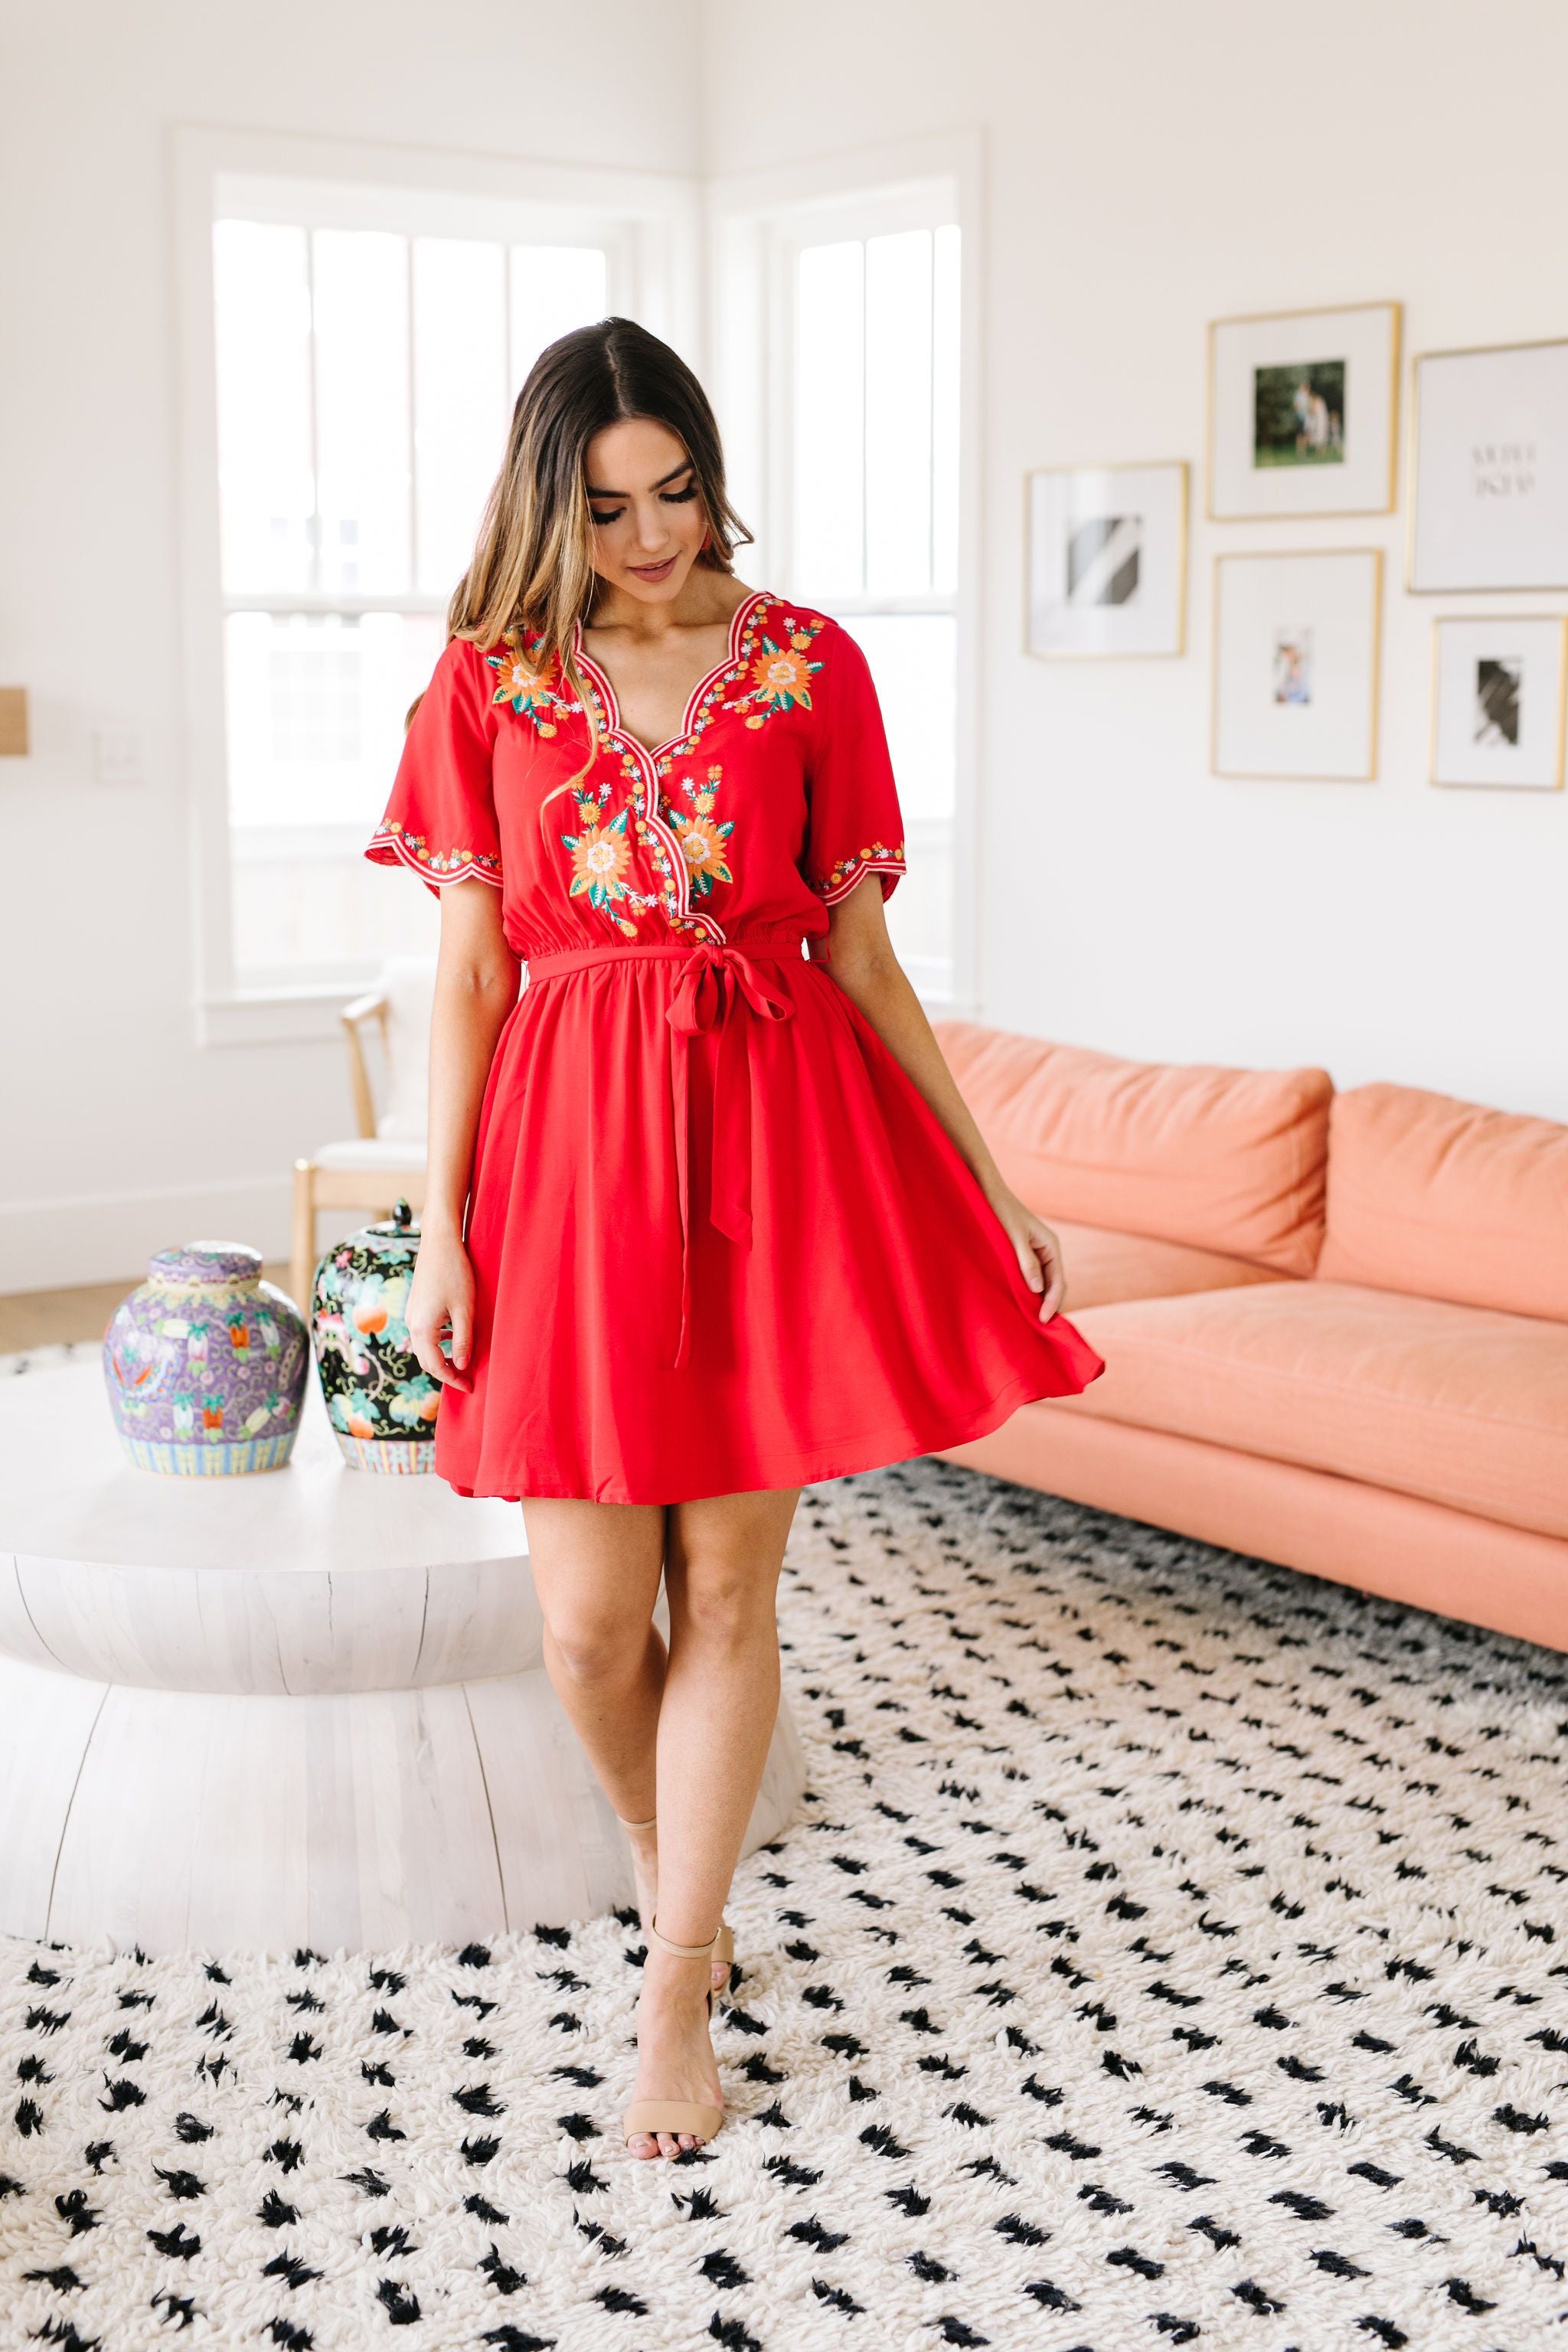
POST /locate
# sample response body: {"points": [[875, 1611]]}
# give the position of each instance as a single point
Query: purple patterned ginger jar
{"points": [[206, 1364]]}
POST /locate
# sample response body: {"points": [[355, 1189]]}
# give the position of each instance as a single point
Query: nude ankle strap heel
{"points": [[720, 1947], [687, 1951], [696, 2119]]}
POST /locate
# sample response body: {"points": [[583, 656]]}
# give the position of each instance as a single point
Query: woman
{"points": [[729, 1228]]}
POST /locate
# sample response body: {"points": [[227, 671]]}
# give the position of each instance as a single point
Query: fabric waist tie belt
{"points": [[718, 988]]}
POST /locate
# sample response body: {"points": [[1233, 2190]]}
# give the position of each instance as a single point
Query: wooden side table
{"points": [[306, 1706]]}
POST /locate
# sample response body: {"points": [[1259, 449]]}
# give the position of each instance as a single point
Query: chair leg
{"points": [[302, 1263]]}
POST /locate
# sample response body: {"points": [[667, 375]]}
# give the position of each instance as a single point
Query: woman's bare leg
{"points": [[596, 1568], [715, 1724]]}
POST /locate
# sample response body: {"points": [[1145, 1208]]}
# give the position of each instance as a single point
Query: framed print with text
{"points": [[1489, 465], [1107, 560], [1303, 412], [1498, 701], [1296, 664]]}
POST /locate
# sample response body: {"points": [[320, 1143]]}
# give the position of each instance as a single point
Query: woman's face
{"points": [[649, 516]]}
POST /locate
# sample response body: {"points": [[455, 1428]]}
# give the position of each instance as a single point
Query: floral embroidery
{"points": [[781, 676], [701, 836], [666, 899], [878, 858], [415, 850], [750, 662], [667, 831], [524, 684], [601, 853]]}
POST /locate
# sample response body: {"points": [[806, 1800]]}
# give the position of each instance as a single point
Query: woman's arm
{"points": [[862, 960], [476, 990]]}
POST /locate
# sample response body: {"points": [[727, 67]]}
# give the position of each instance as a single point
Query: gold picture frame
{"points": [[1557, 624], [1178, 466], [1257, 773], [1419, 359], [1389, 444]]}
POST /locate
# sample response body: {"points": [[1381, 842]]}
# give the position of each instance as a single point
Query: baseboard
{"points": [[86, 1237]]}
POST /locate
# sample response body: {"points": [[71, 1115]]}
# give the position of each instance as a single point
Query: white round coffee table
{"points": [[305, 1705]]}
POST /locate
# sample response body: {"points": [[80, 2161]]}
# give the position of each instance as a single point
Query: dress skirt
{"points": [[721, 1242]]}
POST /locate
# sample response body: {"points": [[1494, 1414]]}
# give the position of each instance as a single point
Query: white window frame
{"points": [[649, 224], [757, 223]]}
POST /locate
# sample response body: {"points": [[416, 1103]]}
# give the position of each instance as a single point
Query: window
{"points": [[872, 526], [364, 378]]}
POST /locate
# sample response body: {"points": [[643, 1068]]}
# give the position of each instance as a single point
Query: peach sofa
{"points": [[1335, 1325]]}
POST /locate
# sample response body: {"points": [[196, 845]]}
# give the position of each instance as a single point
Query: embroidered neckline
{"points": [[699, 702]]}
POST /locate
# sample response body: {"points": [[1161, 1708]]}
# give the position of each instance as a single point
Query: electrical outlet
{"points": [[119, 756]]}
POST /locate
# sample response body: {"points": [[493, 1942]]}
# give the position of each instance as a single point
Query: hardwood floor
{"points": [[41, 1318]]}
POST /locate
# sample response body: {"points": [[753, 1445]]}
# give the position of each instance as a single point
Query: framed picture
{"points": [[1489, 462], [1107, 560], [1303, 412], [1498, 701], [1296, 664]]}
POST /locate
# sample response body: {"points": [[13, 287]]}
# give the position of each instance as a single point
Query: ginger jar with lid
{"points": [[204, 1364], [381, 1402]]}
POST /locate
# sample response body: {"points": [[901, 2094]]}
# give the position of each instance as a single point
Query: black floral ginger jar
{"points": [[380, 1402]]}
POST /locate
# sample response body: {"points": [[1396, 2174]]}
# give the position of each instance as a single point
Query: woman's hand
{"points": [[1040, 1251], [441, 1294]]}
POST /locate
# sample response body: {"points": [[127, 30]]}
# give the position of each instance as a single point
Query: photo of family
{"points": [[1283, 437], [1296, 663], [1293, 666], [1298, 415]]}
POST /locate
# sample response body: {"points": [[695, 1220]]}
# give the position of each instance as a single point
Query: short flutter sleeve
{"points": [[441, 816], [854, 823]]}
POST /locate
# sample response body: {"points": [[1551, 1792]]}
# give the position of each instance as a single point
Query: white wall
{"points": [[121, 1134], [1150, 168]]}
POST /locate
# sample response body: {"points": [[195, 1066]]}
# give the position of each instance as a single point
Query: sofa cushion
{"points": [[1218, 1158], [1464, 1405], [1102, 1266], [1448, 1200]]}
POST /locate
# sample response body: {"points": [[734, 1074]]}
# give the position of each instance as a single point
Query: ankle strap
{"points": [[636, 1825], [684, 1951]]}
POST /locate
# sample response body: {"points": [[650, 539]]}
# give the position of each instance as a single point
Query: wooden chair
{"points": [[386, 1160]]}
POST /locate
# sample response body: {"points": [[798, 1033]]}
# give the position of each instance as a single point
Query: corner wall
{"points": [[1149, 169]]}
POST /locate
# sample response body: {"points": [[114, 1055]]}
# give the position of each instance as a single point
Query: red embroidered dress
{"points": [[719, 1239]]}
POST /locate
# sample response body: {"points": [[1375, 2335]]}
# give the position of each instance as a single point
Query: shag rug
{"points": [[1171, 1951]]}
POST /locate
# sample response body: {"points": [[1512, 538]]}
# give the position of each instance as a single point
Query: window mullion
{"points": [[930, 413], [506, 394], [413, 422], [312, 372], [865, 431]]}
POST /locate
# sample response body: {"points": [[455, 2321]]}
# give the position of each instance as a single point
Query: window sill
{"points": [[275, 1016]]}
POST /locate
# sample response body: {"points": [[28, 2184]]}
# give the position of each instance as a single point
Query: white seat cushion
{"points": [[399, 1154], [409, 985]]}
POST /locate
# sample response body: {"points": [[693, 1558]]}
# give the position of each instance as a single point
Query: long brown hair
{"points": [[533, 566]]}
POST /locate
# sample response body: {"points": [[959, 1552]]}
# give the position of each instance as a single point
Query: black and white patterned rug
{"points": [[1172, 1950]]}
